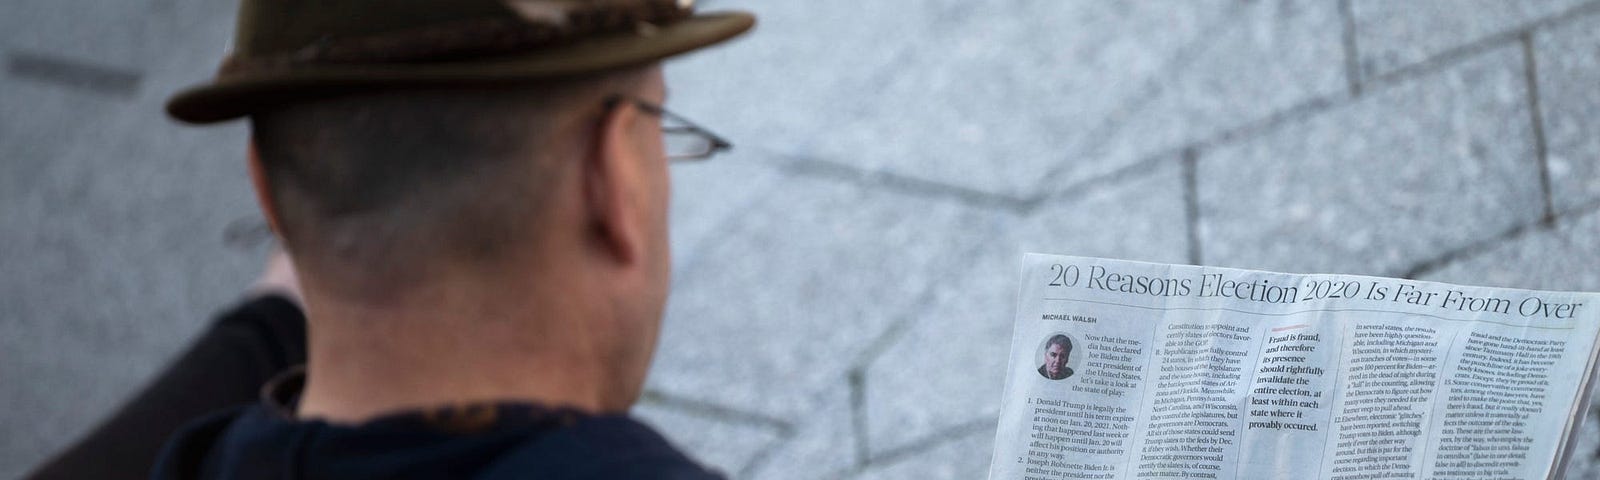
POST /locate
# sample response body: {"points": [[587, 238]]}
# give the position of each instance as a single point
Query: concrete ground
{"points": [[845, 277]]}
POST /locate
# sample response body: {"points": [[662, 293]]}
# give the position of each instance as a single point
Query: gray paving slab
{"points": [[707, 195], [1561, 258], [98, 31], [1004, 94], [949, 368], [1079, 89], [1267, 58], [135, 35], [1539, 259], [1400, 176], [1392, 35], [728, 447], [120, 255], [1568, 70], [806, 64], [800, 283], [120, 214], [823, 446], [964, 457], [33, 134], [1585, 464]]}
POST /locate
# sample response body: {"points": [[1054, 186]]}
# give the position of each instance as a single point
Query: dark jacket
{"points": [[488, 441]]}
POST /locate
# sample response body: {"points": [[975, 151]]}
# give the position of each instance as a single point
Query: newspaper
{"points": [[1129, 370]]}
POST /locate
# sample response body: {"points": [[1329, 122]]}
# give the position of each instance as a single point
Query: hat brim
{"points": [[230, 98]]}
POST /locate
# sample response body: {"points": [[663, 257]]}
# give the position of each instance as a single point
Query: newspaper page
{"points": [[1129, 370]]}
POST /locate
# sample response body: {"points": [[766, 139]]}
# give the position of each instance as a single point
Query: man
{"points": [[1057, 350], [474, 196]]}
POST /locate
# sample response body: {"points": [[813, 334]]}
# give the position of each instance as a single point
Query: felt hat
{"points": [[296, 50]]}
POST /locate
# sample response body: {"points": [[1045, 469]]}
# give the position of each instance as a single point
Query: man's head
{"points": [[437, 176], [382, 196], [473, 191], [1056, 352]]}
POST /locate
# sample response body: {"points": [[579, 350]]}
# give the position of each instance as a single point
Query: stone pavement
{"points": [[844, 280]]}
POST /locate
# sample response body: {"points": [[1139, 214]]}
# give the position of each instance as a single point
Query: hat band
{"points": [[538, 24]]}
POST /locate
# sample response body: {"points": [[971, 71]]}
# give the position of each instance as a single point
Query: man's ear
{"points": [[258, 178], [612, 176]]}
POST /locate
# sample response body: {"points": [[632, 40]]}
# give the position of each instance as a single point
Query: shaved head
{"points": [[457, 175]]}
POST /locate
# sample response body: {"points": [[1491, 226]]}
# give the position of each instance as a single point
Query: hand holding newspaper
{"points": [[1128, 370]]}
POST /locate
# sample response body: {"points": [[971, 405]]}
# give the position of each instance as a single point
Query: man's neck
{"points": [[438, 346]]}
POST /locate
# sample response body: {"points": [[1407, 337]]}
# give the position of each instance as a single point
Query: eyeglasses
{"points": [[683, 139]]}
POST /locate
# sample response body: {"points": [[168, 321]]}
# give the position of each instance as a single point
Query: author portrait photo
{"points": [[1057, 351]]}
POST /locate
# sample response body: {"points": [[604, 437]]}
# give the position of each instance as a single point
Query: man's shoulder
{"points": [[252, 441], [599, 447], [185, 453]]}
